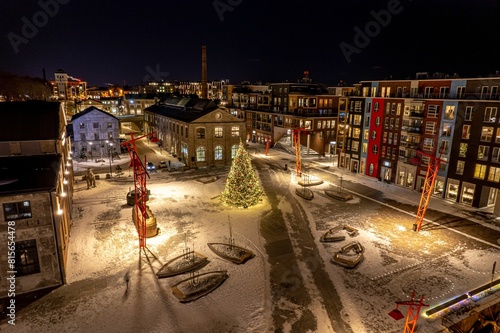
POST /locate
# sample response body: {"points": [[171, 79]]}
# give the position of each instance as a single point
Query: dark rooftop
{"points": [[30, 120], [28, 173]]}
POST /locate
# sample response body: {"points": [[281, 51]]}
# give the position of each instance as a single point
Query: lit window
{"points": [[235, 131], [494, 175], [480, 171], [27, 258], [218, 153], [218, 132], [486, 134], [200, 154], [234, 150], [460, 168], [17, 210], [483, 153], [463, 150]]}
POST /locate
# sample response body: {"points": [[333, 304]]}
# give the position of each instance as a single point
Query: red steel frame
{"points": [[413, 312], [296, 142], [268, 144], [140, 189], [430, 180]]}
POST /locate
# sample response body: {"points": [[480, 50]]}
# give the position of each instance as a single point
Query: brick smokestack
{"points": [[204, 84]]}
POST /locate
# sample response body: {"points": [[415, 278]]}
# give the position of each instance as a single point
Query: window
{"points": [[460, 92], [235, 131], [480, 171], [355, 145], [218, 132], [428, 144], [82, 137], [490, 115], [463, 149], [495, 157], [374, 135], [375, 149], [446, 129], [497, 136], [466, 132], [460, 167], [430, 127], [200, 154], [449, 113], [96, 136], [200, 133], [377, 121], [218, 153], [27, 258], [486, 134], [82, 126], [17, 210], [234, 150], [445, 146], [483, 153], [433, 111], [375, 106], [356, 133], [357, 120], [469, 110], [494, 175], [96, 125], [384, 137], [364, 147], [382, 153], [110, 135]]}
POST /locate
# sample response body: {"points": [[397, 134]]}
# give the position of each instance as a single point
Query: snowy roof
{"points": [[88, 110]]}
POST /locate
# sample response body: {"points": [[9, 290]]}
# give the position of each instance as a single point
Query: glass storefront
{"points": [[467, 193], [452, 189]]}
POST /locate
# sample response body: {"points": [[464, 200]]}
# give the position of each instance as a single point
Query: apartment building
{"points": [[412, 122]]}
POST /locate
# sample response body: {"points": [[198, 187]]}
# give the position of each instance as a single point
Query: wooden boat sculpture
{"points": [[231, 252], [198, 285], [349, 255], [186, 262], [333, 235]]}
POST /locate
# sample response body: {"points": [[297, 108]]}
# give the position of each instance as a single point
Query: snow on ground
{"points": [[104, 247]]}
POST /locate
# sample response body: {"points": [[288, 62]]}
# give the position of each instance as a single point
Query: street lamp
{"points": [[110, 144]]}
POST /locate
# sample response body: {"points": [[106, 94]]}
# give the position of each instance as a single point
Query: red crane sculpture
{"points": [[414, 307], [140, 190], [430, 180], [296, 142]]}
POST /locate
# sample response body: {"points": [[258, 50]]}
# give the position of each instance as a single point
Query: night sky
{"points": [[272, 41]]}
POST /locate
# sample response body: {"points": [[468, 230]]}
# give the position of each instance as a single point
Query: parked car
{"points": [[150, 167], [162, 164]]}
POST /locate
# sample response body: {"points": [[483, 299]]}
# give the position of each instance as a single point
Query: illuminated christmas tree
{"points": [[242, 185]]}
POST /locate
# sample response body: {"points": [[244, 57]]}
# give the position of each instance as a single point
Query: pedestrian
{"points": [[126, 278], [286, 167]]}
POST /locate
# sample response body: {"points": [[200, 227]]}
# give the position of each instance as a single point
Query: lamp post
{"points": [[110, 144]]}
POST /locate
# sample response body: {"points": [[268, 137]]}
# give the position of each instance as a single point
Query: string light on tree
{"points": [[242, 185]]}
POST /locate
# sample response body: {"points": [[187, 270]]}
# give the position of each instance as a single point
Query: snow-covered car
{"points": [[162, 164], [150, 167]]}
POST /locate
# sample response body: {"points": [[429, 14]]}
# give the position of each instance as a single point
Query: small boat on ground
{"points": [[231, 252], [198, 285], [186, 262]]}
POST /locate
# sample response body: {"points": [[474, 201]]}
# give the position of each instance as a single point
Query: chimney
{"points": [[204, 88]]}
